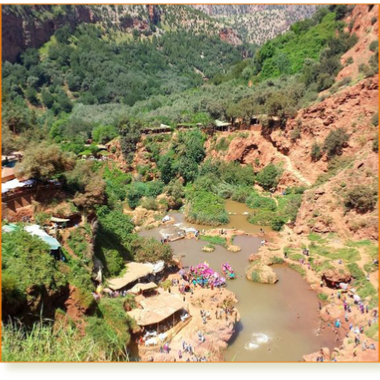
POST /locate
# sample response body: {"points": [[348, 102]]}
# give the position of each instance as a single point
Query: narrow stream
{"points": [[269, 329]]}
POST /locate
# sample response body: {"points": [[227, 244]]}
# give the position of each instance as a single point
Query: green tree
{"points": [[44, 161], [130, 132], [335, 141], [86, 185], [31, 95], [47, 98], [362, 198], [150, 250], [316, 152], [104, 133], [269, 176]]}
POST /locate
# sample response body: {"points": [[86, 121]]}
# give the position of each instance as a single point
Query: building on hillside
{"points": [[163, 128], [222, 126]]}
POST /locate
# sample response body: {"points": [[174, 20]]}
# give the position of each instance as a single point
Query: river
{"points": [[269, 329]]}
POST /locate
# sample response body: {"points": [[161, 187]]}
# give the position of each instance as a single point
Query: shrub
{"points": [[323, 296], [335, 141], [149, 203], [151, 250], [255, 276], [222, 144], [316, 152], [277, 223], [366, 70], [241, 194], [295, 134], [375, 119], [262, 217], [154, 188], [375, 144], [349, 60], [344, 81], [136, 191], [277, 260], [256, 201], [113, 261], [207, 208], [361, 198], [235, 174], [104, 133], [269, 176], [374, 45]]}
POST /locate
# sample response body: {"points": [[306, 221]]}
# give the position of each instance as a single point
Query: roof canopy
{"points": [[35, 230], [14, 184], [219, 123], [38, 231], [157, 308], [134, 272], [141, 287], [59, 220]]}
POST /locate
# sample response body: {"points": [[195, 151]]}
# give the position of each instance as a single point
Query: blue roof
{"points": [[35, 230]]}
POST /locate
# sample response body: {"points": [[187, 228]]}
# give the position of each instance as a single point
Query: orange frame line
{"points": [[171, 3]]}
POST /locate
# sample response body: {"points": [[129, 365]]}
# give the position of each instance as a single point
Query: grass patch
{"points": [[373, 331], [296, 256], [217, 240], [323, 296], [346, 254], [277, 260], [316, 238], [361, 243], [298, 268], [255, 276], [364, 287]]}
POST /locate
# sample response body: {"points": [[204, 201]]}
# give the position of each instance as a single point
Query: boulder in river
{"points": [[261, 273], [233, 248]]}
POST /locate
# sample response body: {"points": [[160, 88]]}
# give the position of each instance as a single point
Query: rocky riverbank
{"points": [[353, 337]]}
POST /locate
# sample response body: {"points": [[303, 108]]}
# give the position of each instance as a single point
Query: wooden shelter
{"points": [[141, 288], [160, 312], [134, 272], [154, 130]]}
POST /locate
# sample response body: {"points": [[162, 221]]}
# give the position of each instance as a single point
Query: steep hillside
{"points": [[364, 24], [31, 26], [259, 23]]}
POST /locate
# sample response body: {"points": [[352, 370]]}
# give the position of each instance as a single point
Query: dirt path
{"points": [[289, 167]]}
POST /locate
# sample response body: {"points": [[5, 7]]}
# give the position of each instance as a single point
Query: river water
{"points": [[269, 329]]}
